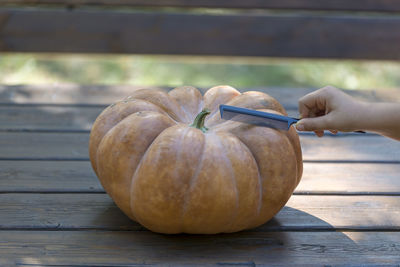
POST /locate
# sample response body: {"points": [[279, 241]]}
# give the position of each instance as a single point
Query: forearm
{"points": [[381, 118]]}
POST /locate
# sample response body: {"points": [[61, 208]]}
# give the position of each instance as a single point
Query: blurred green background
{"points": [[197, 71]]}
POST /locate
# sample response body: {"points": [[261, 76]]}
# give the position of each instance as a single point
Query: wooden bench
{"points": [[273, 28], [53, 210]]}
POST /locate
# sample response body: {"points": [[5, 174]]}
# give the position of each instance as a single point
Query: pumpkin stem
{"points": [[199, 120]]}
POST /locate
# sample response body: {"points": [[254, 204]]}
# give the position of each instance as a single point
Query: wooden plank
{"points": [[354, 178], [97, 211], [358, 37], [326, 178], [66, 94], [338, 212], [48, 176], [54, 118], [350, 148], [44, 146], [101, 96], [100, 248], [61, 107], [74, 146], [44, 118], [355, 5]]}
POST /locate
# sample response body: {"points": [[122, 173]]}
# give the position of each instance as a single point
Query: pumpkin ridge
{"points": [[179, 151], [201, 106], [213, 98], [163, 107], [126, 100], [131, 114], [139, 165], [223, 124], [189, 98], [192, 183], [215, 112], [166, 113], [258, 172], [111, 189], [185, 111], [146, 101], [265, 194], [294, 140], [271, 102], [260, 202], [229, 162]]}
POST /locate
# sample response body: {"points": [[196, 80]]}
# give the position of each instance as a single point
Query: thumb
{"points": [[312, 124]]}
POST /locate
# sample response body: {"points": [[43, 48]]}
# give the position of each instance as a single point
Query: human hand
{"points": [[329, 109]]}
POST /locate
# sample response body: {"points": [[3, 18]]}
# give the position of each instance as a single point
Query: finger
{"points": [[306, 105], [319, 133], [308, 102], [304, 111], [312, 124], [317, 101]]}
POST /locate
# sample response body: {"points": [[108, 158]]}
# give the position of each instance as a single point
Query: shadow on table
{"points": [[292, 237]]}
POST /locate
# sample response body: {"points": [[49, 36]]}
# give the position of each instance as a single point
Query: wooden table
{"points": [[54, 212]]}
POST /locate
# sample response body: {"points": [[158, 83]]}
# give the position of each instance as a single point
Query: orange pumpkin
{"points": [[211, 176]]}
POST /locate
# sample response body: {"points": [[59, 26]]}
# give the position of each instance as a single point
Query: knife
{"points": [[256, 117]]}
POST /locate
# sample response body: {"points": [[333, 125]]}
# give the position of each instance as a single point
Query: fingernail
{"points": [[300, 127]]}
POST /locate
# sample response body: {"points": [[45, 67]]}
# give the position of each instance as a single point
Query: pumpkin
{"points": [[173, 165]]}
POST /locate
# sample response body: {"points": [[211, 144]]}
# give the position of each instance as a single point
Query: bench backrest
{"points": [[357, 29]]}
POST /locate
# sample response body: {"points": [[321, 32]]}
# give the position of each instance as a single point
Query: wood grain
{"points": [[241, 249], [350, 148], [66, 94], [74, 146], [349, 178], [318, 178], [45, 118], [97, 211], [304, 36], [53, 146], [354, 5], [48, 176]]}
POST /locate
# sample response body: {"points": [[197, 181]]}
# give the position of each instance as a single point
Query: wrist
{"points": [[362, 116], [357, 116], [380, 118]]}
